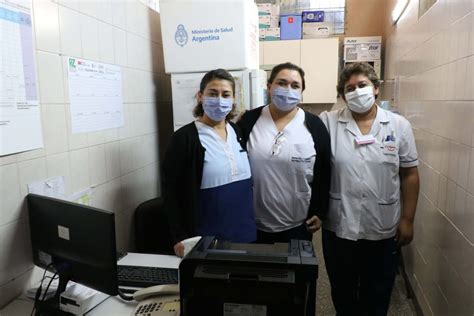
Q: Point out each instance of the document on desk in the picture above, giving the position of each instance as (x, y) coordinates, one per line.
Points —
(20, 118)
(95, 94)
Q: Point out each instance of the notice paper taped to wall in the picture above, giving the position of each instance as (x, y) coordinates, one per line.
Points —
(52, 187)
(95, 93)
(20, 118)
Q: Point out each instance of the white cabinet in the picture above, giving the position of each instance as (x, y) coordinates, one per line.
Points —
(277, 52)
(319, 58)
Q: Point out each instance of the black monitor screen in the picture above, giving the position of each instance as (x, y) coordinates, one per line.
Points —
(78, 240)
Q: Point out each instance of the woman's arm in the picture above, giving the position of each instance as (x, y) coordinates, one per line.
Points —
(410, 185)
(173, 166)
(322, 176)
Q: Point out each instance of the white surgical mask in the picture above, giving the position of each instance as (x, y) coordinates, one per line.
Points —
(361, 99)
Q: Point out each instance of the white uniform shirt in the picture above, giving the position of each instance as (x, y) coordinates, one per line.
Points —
(365, 182)
(282, 181)
(224, 161)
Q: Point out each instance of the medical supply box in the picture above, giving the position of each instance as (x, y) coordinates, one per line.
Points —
(268, 9)
(268, 21)
(290, 27)
(272, 34)
(317, 30)
(199, 35)
(313, 16)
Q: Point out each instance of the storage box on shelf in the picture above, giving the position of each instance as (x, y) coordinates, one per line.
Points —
(207, 30)
(290, 27)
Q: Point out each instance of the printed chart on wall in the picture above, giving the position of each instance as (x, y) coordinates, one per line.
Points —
(20, 117)
(95, 93)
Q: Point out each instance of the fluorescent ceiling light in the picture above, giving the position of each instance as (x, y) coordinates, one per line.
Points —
(397, 12)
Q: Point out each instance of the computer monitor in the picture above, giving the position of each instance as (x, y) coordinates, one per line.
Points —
(77, 240)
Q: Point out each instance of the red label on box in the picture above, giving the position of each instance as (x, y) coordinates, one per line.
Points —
(290, 19)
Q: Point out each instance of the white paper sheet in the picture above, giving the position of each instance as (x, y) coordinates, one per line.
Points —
(20, 119)
(95, 93)
(184, 90)
(149, 260)
(52, 187)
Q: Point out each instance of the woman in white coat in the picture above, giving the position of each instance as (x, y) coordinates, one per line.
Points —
(373, 196)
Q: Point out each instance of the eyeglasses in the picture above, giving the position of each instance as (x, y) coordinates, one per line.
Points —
(279, 140)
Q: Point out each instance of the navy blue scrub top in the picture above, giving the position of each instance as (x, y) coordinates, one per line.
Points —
(226, 198)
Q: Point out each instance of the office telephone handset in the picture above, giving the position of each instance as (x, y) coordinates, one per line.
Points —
(159, 300)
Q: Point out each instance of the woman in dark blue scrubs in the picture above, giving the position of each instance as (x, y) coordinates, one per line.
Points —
(206, 174)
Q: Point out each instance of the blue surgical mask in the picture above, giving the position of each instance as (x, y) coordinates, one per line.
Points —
(217, 108)
(285, 99)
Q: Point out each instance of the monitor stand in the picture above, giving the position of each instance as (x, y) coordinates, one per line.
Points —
(51, 307)
(64, 279)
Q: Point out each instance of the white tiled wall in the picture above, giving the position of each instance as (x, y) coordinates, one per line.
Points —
(121, 164)
(434, 56)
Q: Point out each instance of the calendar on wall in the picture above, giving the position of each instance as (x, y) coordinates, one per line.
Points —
(20, 119)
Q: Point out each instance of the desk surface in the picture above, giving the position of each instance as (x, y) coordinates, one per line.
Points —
(111, 306)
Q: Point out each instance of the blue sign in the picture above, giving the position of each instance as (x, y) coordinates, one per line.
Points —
(181, 36)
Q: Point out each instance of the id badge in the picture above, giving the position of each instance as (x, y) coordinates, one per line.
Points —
(390, 148)
(365, 140)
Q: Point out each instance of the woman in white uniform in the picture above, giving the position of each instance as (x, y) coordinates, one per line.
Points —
(290, 161)
(373, 196)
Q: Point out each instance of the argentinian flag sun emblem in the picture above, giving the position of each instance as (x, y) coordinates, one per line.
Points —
(181, 36)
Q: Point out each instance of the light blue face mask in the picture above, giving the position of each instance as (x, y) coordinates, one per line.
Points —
(217, 108)
(285, 99)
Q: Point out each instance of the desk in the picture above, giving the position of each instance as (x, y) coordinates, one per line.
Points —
(112, 305)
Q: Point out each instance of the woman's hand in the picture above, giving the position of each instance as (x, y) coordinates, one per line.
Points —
(179, 249)
(313, 224)
(404, 232)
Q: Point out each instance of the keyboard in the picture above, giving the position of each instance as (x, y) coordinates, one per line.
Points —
(135, 276)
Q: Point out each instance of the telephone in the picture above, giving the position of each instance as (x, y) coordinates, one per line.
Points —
(159, 300)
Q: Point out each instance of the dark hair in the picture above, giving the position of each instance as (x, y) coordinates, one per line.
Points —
(217, 74)
(356, 69)
(276, 70)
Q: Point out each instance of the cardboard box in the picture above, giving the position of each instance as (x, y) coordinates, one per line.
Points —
(290, 27)
(272, 34)
(362, 48)
(317, 30)
(264, 21)
(313, 16)
(267, 21)
(197, 33)
(275, 22)
(268, 9)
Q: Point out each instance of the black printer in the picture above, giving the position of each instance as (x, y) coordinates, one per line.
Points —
(230, 279)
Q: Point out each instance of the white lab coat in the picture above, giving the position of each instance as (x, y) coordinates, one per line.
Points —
(365, 182)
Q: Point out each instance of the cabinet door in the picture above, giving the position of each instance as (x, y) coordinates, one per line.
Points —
(260, 55)
(319, 60)
(277, 52)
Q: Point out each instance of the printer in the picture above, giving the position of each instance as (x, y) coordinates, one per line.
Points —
(231, 279)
